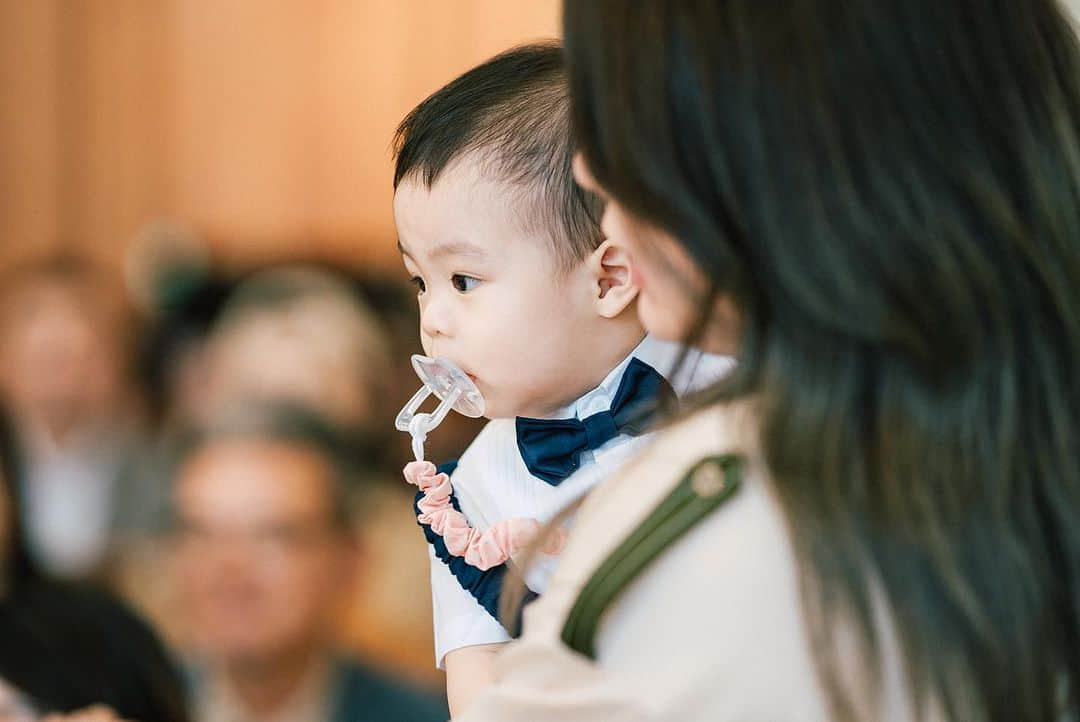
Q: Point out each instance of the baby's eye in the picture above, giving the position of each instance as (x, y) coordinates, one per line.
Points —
(419, 283)
(463, 283)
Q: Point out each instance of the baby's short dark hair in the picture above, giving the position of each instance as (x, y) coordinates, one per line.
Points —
(514, 112)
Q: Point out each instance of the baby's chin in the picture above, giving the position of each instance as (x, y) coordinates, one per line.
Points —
(493, 412)
(496, 410)
(501, 407)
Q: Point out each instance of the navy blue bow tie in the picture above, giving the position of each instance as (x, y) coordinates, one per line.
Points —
(552, 448)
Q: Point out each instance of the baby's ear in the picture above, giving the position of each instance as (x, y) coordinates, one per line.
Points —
(615, 289)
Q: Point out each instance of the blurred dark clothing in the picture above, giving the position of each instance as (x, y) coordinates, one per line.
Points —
(349, 692)
(66, 647)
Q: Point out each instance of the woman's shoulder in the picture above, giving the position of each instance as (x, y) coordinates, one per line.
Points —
(719, 428)
(615, 509)
(712, 431)
(722, 599)
(721, 602)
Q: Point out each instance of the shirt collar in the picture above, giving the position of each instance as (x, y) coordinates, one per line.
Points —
(661, 355)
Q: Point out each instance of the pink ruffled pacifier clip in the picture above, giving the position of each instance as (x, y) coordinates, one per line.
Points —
(500, 542)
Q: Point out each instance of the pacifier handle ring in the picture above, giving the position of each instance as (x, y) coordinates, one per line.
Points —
(450, 385)
(441, 375)
(418, 425)
(444, 407)
(405, 417)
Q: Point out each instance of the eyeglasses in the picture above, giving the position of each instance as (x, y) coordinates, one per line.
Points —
(276, 540)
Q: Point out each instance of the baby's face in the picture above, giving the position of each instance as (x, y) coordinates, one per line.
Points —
(492, 298)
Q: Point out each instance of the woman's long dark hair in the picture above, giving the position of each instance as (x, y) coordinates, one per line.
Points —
(889, 193)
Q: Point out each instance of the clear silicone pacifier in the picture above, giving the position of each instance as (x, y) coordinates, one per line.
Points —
(451, 386)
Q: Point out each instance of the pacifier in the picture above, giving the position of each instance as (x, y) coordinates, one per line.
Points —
(451, 386)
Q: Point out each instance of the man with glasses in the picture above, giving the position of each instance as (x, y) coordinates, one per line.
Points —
(264, 553)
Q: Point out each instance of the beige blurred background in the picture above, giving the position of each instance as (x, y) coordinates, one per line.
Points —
(263, 124)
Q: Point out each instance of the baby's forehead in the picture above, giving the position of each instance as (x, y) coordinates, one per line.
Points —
(472, 198)
(477, 174)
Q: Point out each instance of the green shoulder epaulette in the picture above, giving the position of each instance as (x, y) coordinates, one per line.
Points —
(707, 485)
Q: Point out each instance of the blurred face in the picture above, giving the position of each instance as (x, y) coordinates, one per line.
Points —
(298, 357)
(260, 563)
(671, 286)
(492, 298)
(59, 365)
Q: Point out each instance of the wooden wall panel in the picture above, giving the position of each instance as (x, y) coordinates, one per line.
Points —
(265, 124)
(110, 101)
(29, 180)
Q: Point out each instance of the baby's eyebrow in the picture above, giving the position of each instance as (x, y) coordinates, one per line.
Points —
(458, 248)
(450, 248)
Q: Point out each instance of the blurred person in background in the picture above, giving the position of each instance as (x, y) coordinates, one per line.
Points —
(63, 372)
(307, 335)
(299, 335)
(318, 337)
(265, 557)
(171, 280)
(173, 358)
(178, 308)
(303, 335)
(65, 649)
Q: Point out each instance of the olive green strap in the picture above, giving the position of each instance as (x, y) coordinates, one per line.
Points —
(707, 485)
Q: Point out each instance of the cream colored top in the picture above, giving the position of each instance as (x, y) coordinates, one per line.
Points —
(712, 630)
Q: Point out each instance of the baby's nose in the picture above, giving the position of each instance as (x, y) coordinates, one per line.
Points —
(436, 319)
